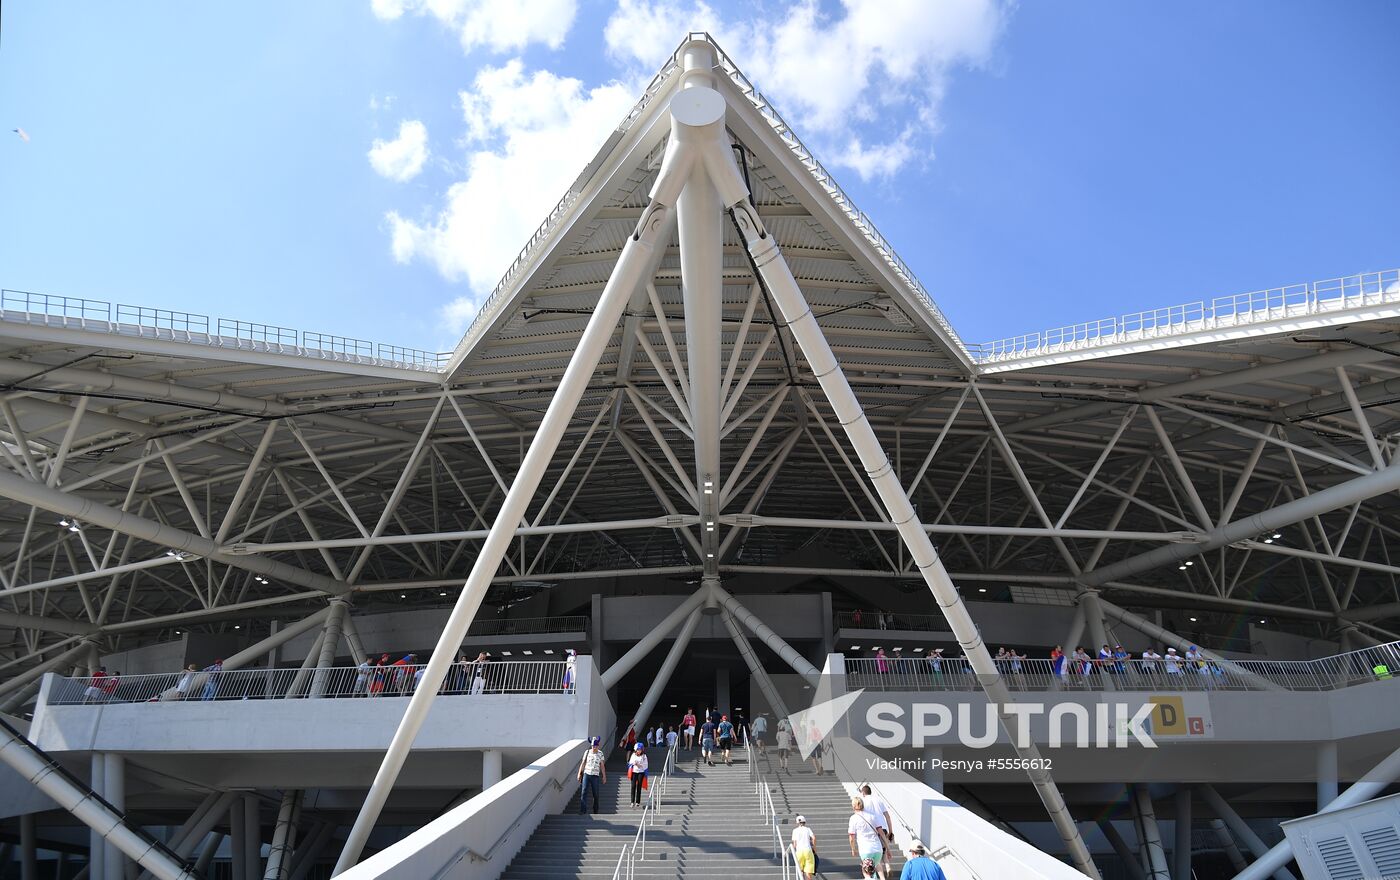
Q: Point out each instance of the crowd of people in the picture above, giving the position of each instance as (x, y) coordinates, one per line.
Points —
(1068, 668)
(379, 676)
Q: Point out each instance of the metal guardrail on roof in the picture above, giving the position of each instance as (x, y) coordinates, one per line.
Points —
(492, 304)
(76, 313)
(1223, 312)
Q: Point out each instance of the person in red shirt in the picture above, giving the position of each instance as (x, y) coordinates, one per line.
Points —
(688, 728)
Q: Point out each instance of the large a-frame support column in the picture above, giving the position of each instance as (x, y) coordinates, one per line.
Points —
(774, 273)
(691, 111)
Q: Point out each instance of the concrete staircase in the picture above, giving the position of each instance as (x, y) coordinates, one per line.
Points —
(709, 827)
(824, 803)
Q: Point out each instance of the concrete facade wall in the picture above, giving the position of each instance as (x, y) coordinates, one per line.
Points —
(478, 839)
(459, 721)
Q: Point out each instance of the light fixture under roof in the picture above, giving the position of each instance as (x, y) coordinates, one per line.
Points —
(528, 653)
(918, 650)
(1193, 620)
(855, 647)
(981, 589)
(549, 650)
(1190, 562)
(1276, 535)
(505, 653)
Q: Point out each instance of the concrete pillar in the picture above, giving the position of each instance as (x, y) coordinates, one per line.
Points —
(1181, 853)
(828, 626)
(1327, 774)
(97, 846)
(114, 790)
(237, 850)
(490, 768)
(28, 848)
(252, 838)
(722, 689)
(933, 771)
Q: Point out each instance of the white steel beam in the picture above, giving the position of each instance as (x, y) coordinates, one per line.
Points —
(774, 273)
(601, 325)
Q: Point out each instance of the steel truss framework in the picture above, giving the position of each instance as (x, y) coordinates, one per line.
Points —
(162, 487)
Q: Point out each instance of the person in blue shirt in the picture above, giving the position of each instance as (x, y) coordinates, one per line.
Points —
(726, 737)
(1120, 660)
(920, 866)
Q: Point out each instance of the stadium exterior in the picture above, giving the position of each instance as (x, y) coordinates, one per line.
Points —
(707, 433)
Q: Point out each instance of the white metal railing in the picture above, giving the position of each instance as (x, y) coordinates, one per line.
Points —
(766, 808)
(69, 312)
(636, 849)
(1293, 301)
(1381, 662)
(504, 677)
(790, 869)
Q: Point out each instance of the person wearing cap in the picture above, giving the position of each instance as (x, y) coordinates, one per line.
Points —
(804, 849)
(1172, 662)
(637, 772)
(1120, 660)
(592, 773)
(921, 865)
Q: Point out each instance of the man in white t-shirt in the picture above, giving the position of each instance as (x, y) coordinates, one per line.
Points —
(804, 847)
(876, 804)
(865, 830)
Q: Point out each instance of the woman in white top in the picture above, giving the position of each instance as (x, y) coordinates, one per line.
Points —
(866, 840)
(637, 772)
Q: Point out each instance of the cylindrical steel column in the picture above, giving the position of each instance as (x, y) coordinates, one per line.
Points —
(1259, 870)
(97, 841)
(1125, 852)
(659, 633)
(635, 257)
(1181, 853)
(326, 659)
(756, 670)
(765, 633)
(668, 669)
(773, 271)
(114, 790)
(1151, 836)
(1227, 843)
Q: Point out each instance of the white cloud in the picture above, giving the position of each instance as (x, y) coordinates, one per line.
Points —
(846, 80)
(840, 79)
(880, 160)
(497, 24)
(402, 158)
(529, 135)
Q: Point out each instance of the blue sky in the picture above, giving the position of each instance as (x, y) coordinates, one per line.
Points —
(1036, 164)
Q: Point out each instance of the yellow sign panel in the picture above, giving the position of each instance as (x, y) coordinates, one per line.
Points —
(1169, 717)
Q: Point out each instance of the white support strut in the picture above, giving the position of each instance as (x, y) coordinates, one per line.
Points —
(792, 305)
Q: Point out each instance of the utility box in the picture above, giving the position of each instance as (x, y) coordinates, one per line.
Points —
(1357, 843)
